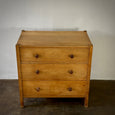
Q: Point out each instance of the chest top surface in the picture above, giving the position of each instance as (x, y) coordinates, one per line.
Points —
(54, 39)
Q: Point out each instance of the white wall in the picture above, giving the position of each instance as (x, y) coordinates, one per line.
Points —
(95, 16)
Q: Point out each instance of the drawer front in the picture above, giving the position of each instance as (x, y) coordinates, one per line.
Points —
(54, 88)
(54, 55)
(54, 71)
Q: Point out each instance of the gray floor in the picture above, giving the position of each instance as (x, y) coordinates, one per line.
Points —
(101, 101)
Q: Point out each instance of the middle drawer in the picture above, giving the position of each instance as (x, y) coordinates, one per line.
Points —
(54, 71)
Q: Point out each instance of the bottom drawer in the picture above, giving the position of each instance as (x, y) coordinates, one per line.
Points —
(55, 88)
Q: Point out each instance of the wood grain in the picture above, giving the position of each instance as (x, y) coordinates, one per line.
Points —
(54, 64)
(54, 38)
(88, 77)
(54, 55)
(54, 71)
(19, 76)
(54, 88)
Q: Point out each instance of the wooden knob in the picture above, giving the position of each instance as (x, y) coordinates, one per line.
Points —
(71, 56)
(36, 55)
(37, 71)
(37, 89)
(70, 71)
(69, 88)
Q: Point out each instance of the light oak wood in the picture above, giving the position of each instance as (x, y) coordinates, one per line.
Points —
(54, 64)
(54, 71)
(54, 55)
(89, 71)
(54, 39)
(19, 76)
(54, 88)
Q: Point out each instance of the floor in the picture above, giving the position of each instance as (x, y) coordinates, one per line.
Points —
(101, 101)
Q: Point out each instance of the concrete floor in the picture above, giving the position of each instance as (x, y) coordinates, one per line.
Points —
(101, 101)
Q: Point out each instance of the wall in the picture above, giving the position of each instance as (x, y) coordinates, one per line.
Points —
(95, 16)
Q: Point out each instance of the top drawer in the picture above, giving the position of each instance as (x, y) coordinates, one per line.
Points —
(54, 55)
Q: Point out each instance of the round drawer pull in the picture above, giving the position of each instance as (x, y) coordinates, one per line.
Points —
(37, 89)
(37, 71)
(69, 88)
(37, 56)
(71, 56)
(70, 71)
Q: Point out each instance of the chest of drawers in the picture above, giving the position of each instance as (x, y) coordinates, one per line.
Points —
(54, 64)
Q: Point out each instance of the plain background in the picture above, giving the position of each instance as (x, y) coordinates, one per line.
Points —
(95, 16)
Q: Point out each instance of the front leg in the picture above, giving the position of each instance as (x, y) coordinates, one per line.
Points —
(86, 101)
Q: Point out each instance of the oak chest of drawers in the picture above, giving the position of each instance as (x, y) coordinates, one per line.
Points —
(54, 64)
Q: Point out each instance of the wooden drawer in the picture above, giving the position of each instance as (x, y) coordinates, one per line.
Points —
(54, 71)
(54, 55)
(54, 88)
